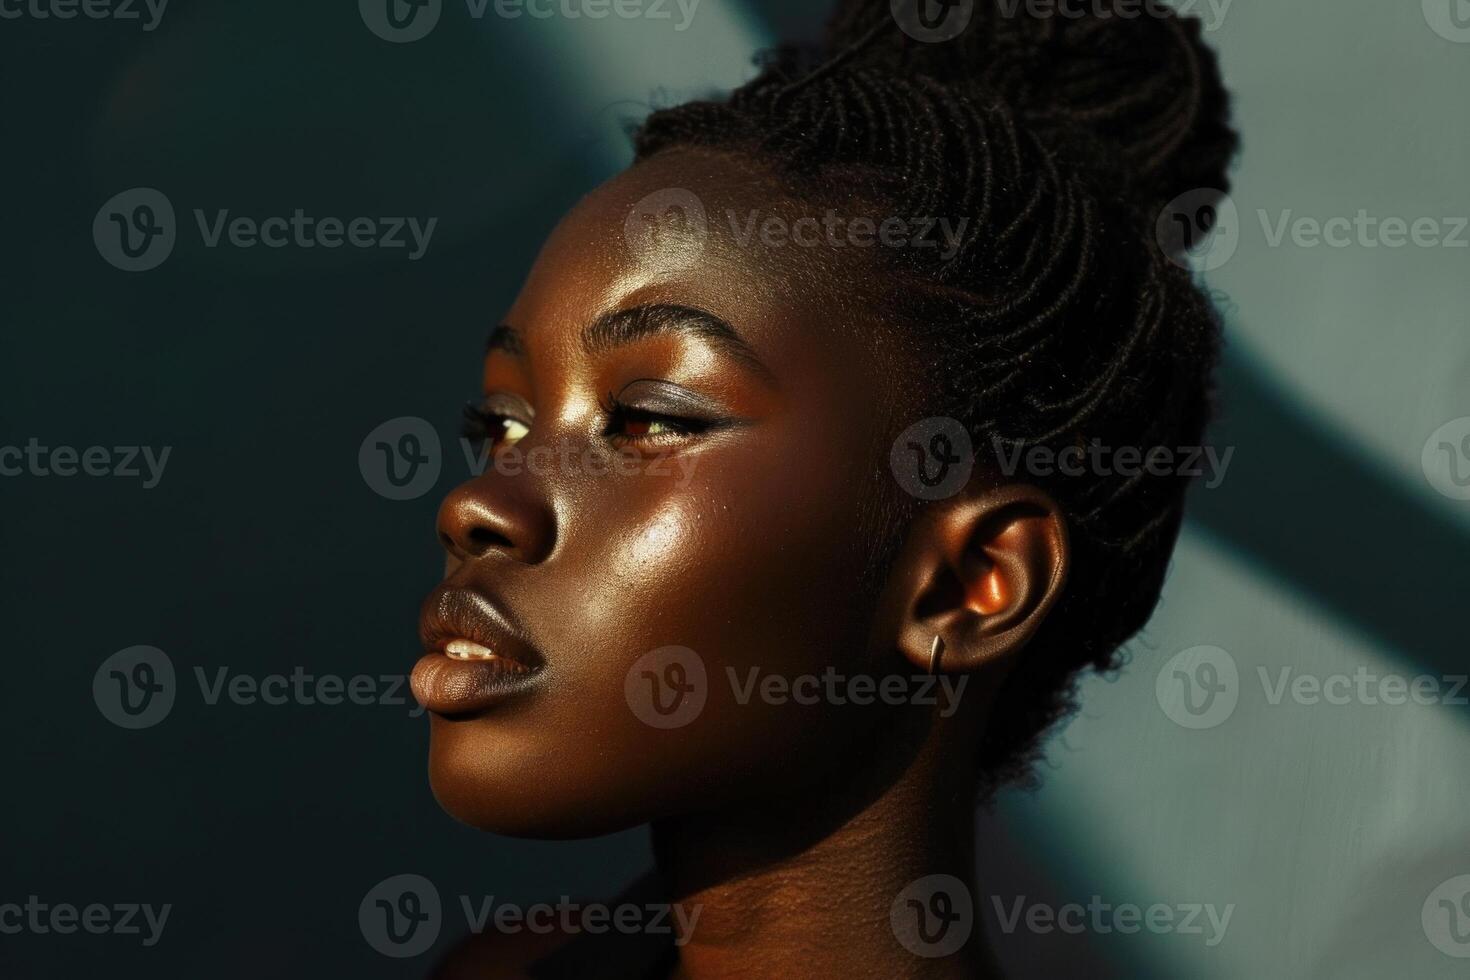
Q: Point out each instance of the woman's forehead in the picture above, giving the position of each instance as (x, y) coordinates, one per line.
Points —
(682, 228)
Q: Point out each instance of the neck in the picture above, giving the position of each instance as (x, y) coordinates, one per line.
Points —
(807, 887)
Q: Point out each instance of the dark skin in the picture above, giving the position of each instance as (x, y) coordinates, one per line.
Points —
(791, 827)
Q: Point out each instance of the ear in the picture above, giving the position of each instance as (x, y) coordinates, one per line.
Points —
(980, 573)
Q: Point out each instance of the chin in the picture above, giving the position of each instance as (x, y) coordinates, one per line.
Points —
(527, 794)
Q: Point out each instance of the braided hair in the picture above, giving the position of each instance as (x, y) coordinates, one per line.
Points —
(1057, 320)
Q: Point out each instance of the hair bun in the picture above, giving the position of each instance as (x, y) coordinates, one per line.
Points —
(1135, 95)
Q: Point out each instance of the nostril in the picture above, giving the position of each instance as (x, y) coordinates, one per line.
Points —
(474, 542)
(482, 539)
(486, 517)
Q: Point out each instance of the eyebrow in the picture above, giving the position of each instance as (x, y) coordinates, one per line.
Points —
(622, 327)
(626, 326)
(506, 338)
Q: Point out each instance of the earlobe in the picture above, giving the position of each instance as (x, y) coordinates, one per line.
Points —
(979, 575)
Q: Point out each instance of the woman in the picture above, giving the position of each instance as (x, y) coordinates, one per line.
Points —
(765, 557)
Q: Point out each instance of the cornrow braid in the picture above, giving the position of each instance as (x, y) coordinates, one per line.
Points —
(1056, 320)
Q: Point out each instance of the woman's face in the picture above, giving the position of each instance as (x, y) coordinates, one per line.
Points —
(692, 433)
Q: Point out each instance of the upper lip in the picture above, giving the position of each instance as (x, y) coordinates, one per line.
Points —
(457, 613)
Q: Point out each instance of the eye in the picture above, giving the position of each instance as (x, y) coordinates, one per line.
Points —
(512, 430)
(631, 423)
(626, 424)
(638, 424)
(492, 421)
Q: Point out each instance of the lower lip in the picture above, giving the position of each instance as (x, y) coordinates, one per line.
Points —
(448, 686)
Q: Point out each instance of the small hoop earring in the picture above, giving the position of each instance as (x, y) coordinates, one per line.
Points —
(934, 653)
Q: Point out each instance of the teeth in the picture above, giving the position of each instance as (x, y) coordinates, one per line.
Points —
(467, 650)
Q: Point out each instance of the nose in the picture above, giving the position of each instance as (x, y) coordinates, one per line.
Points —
(496, 514)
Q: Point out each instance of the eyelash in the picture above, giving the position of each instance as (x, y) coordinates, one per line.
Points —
(617, 411)
(480, 423)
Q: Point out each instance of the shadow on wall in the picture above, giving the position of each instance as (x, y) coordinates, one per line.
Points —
(1308, 509)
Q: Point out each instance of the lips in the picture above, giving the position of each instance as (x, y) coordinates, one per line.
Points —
(475, 657)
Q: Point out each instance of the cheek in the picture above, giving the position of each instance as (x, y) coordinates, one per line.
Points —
(748, 565)
(751, 563)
